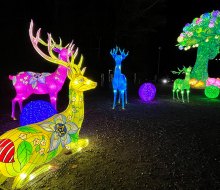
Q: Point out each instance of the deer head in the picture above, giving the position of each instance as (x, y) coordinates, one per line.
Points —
(118, 57)
(66, 58)
(75, 74)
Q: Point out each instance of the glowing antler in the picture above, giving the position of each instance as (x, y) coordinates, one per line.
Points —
(50, 44)
(123, 54)
(179, 71)
(114, 52)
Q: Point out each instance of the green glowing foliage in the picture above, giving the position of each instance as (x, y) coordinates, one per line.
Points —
(212, 91)
(203, 33)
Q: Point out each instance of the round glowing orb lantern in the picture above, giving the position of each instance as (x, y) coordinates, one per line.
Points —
(36, 111)
(147, 92)
(212, 91)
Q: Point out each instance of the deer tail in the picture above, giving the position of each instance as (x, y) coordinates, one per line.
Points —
(10, 77)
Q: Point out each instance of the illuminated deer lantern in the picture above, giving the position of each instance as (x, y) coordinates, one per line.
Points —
(182, 84)
(25, 150)
(27, 83)
(119, 81)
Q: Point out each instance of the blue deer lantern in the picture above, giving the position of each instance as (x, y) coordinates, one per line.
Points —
(119, 81)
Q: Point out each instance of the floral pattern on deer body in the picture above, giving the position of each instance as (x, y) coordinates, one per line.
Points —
(61, 130)
(37, 77)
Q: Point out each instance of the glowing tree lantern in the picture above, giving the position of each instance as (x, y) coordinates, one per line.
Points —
(212, 91)
(27, 83)
(182, 85)
(204, 34)
(36, 111)
(119, 81)
(147, 92)
(25, 150)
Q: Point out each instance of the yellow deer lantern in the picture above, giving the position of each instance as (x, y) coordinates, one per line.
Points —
(25, 150)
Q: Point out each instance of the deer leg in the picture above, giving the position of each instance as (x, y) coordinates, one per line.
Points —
(13, 108)
(115, 95)
(188, 95)
(24, 177)
(2, 179)
(53, 100)
(126, 97)
(39, 171)
(173, 94)
(20, 105)
(182, 94)
(75, 147)
(119, 99)
(123, 99)
(177, 94)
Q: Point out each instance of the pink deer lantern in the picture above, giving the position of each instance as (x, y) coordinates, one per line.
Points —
(27, 83)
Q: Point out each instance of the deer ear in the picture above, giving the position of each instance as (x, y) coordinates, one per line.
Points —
(83, 70)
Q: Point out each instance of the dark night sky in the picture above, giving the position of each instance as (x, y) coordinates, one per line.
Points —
(140, 26)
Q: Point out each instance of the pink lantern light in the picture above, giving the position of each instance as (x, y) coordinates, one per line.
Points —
(28, 82)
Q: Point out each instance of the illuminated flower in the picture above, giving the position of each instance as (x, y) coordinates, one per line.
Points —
(23, 136)
(37, 77)
(69, 117)
(199, 20)
(43, 142)
(36, 141)
(73, 99)
(41, 151)
(61, 131)
(75, 109)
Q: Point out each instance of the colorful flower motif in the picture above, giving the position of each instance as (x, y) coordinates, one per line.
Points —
(23, 136)
(36, 141)
(70, 117)
(41, 151)
(75, 109)
(61, 131)
(43, 142)
(73, 99)
(37, 77)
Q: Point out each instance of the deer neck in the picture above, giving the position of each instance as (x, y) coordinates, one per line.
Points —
(117, 70)
(187, 77)
(61, 73)
(75, 109)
